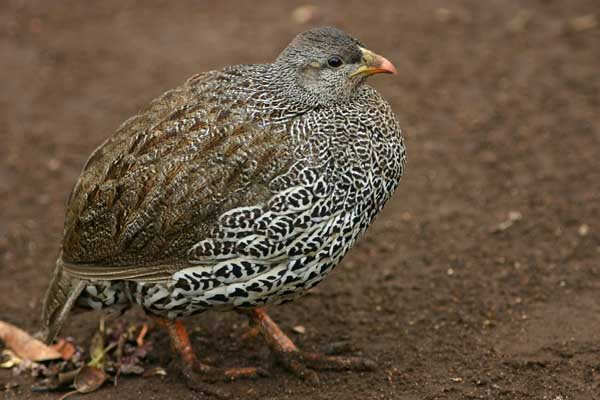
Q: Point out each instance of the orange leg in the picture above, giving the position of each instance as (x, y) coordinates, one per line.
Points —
(250, 333)
(298, 361)
(180, 341)
(195, 371)
(274, 336)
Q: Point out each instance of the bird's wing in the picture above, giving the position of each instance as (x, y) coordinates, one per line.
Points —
(160, 183)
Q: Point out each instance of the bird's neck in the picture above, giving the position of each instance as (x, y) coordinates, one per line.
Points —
(286, 80)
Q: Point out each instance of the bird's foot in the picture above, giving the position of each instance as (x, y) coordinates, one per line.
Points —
(213, 374)
(195, 381)
(196, 373)
(199, 377)
(302, 363)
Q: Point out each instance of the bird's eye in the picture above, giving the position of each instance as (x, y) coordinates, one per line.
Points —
(335, 62)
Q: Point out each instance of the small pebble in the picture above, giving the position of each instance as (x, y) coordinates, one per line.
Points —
(515, 216)
(583, 23)
(443, 14)
(299, 329)
(304, 14)
(519, 22)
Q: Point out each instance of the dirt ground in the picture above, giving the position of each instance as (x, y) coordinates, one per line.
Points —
(479, 280)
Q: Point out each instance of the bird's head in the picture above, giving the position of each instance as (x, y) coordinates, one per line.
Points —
(325, 65)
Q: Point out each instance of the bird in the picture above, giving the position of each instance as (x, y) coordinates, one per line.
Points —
(242, 188)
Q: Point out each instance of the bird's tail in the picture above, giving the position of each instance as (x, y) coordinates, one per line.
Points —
(60, 298)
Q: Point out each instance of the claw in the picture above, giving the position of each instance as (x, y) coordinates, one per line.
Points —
(298, 362)
(294, 362)
(338, 363)
(195, 372)
(232, 374)
(340, 347)
(194, 382)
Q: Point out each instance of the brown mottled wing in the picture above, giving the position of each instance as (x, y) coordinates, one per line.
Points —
(158, 185)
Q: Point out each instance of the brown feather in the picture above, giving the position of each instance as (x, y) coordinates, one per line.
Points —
(158, 185)
(60, 298)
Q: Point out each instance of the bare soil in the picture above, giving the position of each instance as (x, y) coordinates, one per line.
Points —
(479, 280)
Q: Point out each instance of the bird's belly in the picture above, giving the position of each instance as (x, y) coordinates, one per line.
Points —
(284, 282)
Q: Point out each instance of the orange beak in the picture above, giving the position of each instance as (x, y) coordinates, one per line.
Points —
(374, 64)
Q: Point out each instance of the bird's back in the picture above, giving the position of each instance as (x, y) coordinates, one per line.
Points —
(157, 186)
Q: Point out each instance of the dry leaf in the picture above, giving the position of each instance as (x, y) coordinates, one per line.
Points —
(66, 349)
(55, 382)
(24, 345)
(113, 351)
(89, 379)
(9, 359)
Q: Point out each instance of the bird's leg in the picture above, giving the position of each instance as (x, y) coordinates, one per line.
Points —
(251, 333)
(297, 361)
(195, 371)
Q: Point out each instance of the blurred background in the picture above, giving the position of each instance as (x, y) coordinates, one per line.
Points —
(479, 280)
